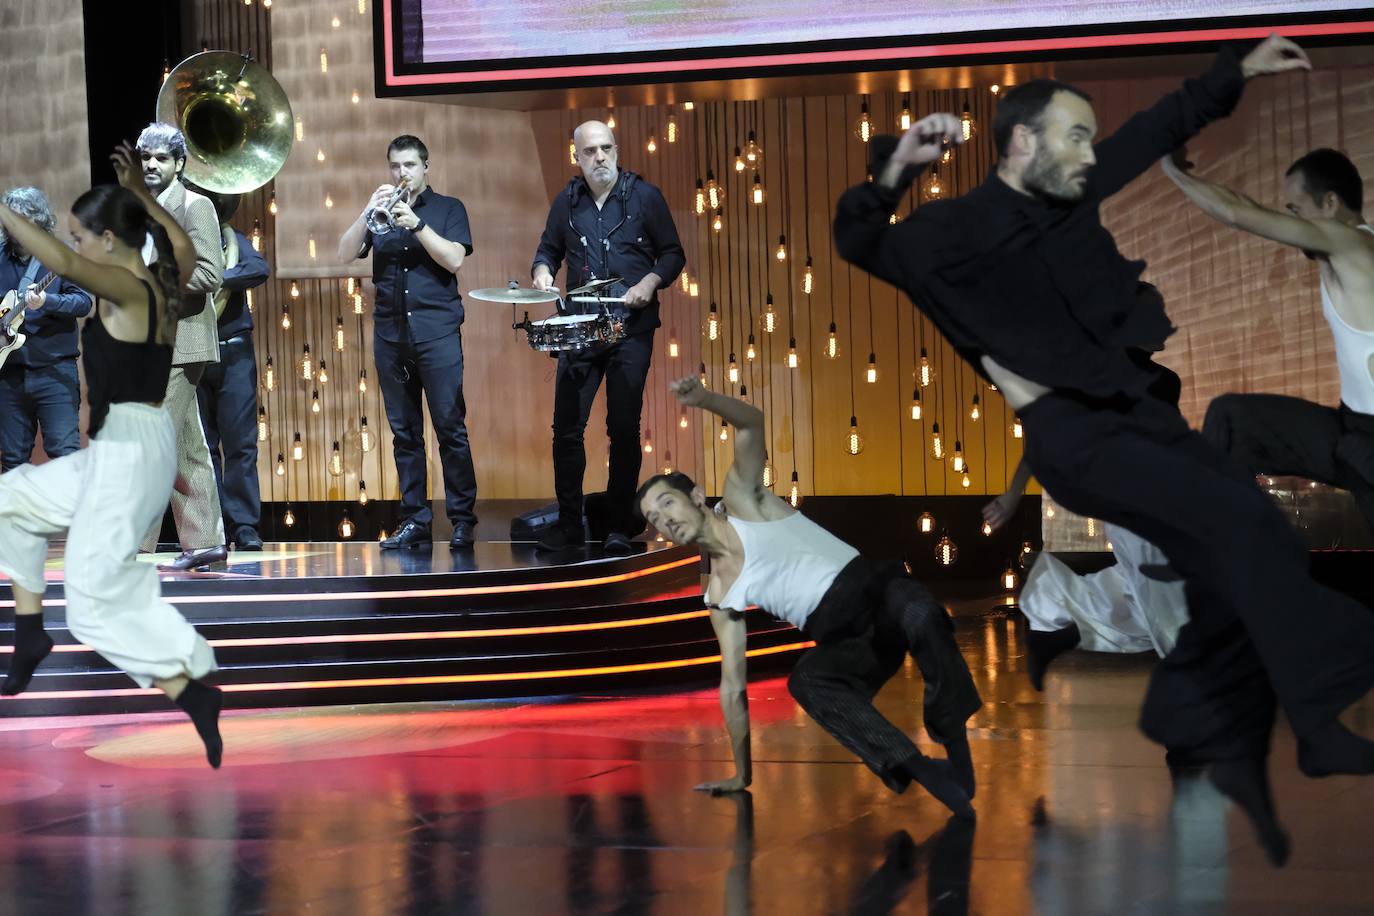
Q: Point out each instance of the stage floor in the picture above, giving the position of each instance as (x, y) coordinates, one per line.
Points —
(586, 807)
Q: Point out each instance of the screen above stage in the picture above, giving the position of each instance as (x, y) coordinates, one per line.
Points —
(473, 45)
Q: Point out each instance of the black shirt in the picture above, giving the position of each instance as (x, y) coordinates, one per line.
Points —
(415, 295)
(1040, 287)
(249, 273)
(50, 331)
(119, 372)
(629, 236)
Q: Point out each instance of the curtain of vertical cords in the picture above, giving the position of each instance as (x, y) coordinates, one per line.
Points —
(766, 339)
(791, 310)
(704, 433)
(849, 290)
(747, 275)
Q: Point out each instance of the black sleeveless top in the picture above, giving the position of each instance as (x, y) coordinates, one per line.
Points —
(118, 372)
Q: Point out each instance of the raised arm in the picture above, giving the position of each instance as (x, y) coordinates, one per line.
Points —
(108, 282)
(998, 512)
(1241, 212)
(1176, 118)
(130, 176)
(744, 481)
(734, 700)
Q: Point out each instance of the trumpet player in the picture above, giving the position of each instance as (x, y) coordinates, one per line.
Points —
(418, 239)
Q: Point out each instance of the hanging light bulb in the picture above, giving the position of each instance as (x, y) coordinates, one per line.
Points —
(289, 519)
(768, 474)
(356, 97)
(362, 382)
(692, 290)
(966, 124)
(1017, 430)
(1092, 528)
(945, 551)
(739, 160)
(853, 441)
(717, 223)
(339, 334)
(1049, 510)
(724, 432)
(781, 253)
(925, 523)
(684, 280)
(285, 317)
(974, 412)
(272, 196)
(323, 375)
(257, 235)
(362, 492)
(651, 146)
(668, 462)
(832, 343)
(753, 153)
(280, 469)
(757, 195)
(904, 122)
(682, 421)
(924, 373)
(937, 443)
(712, 323)
(166, 69)
(733, 372)
(648, 442)
(610, 120)
(966, 481)
(701, 375)
(916, 403)
(315, 401)
(572, 153)
(791, 352)
(751, 353)
(957, 460)
(672, 348)
(324, 61)
(319, 154)
(248, 300)
(948, 155)
(365, 438)
(769, 321)
(871, 376)
(987, 529)
(699, 199)
(932, 185)
(715, 194)
(269, 376)
(808, 277)
(670, 130)
(864, 128)
(306, 365)
(1009, 579)
(262, 424)
(1027, 548)
(358, 302)
(297, 447)
(794, 492)
(335, 461)
(295, 290)
(346, 527)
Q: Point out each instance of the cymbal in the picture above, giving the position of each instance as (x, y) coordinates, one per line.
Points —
(513, 296)
(594, 286)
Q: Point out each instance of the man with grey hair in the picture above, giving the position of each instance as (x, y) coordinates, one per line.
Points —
(39, 385)
(199, 523)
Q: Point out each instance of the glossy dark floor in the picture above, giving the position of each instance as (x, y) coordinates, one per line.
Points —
(586, 807)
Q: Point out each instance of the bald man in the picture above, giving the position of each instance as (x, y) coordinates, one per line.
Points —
(607, 223)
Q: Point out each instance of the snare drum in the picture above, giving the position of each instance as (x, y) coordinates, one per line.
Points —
(574, 332)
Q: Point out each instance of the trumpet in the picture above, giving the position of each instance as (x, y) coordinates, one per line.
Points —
(379, 219)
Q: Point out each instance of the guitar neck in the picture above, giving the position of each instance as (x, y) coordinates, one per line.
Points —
(17, 311)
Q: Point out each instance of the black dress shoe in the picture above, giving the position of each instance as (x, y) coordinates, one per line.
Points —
(409, 535)
(463, 538)
(196, 559)
(617, 545)
(560, 537)
(247, 538)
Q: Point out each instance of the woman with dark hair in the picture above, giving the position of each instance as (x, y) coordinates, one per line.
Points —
(104, 497)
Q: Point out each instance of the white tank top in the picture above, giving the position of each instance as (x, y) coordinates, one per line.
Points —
(1353, 349)
(788, 566)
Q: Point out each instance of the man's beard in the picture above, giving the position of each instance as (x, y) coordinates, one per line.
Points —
(1045, 178)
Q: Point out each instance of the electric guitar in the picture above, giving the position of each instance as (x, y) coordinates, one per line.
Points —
(12, 318)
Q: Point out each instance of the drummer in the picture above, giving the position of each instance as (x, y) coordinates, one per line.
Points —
(608, 223)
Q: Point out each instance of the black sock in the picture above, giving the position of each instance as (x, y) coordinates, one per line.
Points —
(203, 703)
(1042, 648)
(1334, 749)
(1246, 782)
(31, 645)
(961, 759)
(937, 777)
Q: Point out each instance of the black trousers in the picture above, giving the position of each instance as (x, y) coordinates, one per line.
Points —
(228, 398)
(409, 371)
(625, 367)
(1273, 434)
(1260, 630)
(46, 398)
(867, 622)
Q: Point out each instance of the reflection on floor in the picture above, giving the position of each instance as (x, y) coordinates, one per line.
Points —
(586, 807)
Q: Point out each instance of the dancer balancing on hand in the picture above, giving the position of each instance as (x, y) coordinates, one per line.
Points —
(104, 497)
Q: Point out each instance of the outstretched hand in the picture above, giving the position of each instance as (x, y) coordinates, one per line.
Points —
(1275, 54)
(1000, 511)
(128, 171)
(689, 391)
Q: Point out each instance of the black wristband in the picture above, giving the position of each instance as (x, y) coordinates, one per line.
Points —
(418, 226)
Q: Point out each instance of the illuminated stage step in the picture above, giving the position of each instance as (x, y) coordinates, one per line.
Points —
(325, 624)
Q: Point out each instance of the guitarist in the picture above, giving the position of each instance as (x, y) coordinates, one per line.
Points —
(39, 386)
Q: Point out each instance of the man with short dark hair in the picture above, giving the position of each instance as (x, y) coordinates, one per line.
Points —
(864, 616)
(1323, 195)
(196, 511)
(417, 338)
(607, 223)
(1026, 283)
(40, 388)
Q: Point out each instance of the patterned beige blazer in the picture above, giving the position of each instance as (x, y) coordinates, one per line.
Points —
(198, 334)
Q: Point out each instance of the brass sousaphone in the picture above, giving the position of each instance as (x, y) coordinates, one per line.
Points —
(236, 119)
